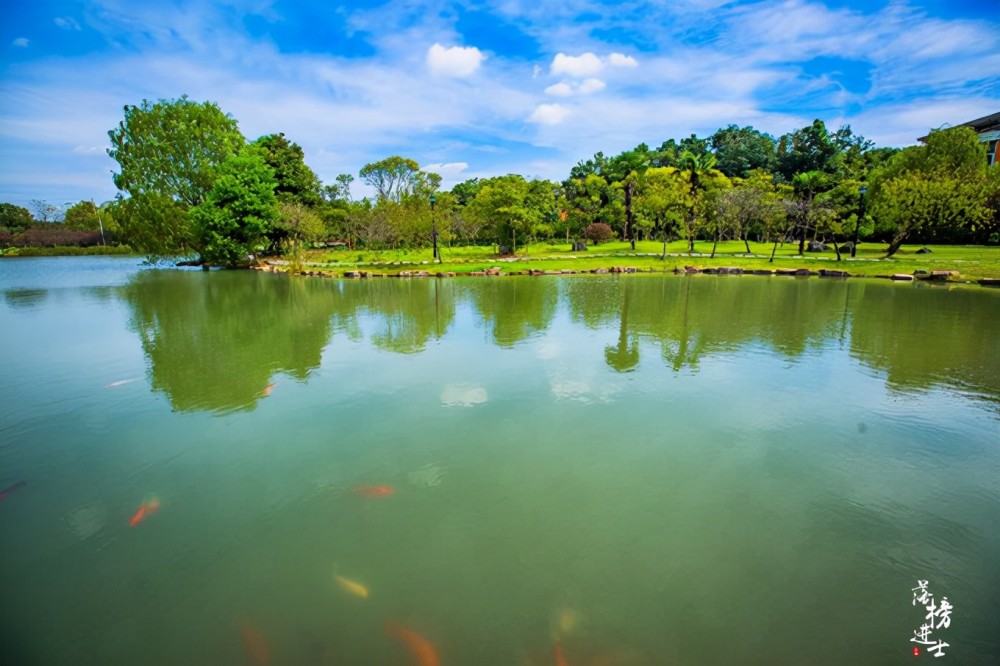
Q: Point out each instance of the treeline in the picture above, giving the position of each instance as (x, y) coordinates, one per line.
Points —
(191, 183)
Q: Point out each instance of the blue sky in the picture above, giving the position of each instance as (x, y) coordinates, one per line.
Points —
(474, 89)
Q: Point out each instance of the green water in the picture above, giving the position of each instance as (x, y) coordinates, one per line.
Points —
(633, 470)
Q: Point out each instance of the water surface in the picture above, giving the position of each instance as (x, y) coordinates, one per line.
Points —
(631, 470)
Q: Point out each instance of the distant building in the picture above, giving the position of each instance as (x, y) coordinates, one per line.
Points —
(988, 129)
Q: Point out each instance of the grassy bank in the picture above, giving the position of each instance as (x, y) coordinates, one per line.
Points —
(971, 262)
(66, 251)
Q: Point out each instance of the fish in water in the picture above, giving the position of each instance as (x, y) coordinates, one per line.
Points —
(373, 491)
(255, 646)
(351, 586)
(267, 390)
(557, 655)
(422, 650)
(147, 508)
(120, 382)
(10, 489)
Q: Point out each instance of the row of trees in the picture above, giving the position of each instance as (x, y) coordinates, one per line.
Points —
(190, 182)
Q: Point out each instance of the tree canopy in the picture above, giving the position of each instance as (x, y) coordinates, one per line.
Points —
(169, 153)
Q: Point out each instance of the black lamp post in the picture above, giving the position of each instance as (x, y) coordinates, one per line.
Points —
(861, 213)
(434, 229)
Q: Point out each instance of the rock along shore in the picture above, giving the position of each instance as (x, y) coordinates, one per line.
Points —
(496, 271)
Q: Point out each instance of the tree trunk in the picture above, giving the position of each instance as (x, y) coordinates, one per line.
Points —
(773, 250)
(836, 247)
(714, 245)
(629, 217)
(746, 242)
(897, 242)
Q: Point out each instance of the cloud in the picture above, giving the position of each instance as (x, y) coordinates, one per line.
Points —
(622, 60)
(456, 61)
(21, 42)
(450, 168)
(67, 23)
(590, 86)
(580, 66)
(561, 89)
(89, 150)
(549, 114)
(564, 89)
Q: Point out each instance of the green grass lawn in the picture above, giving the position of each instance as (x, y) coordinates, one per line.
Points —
(972, 262)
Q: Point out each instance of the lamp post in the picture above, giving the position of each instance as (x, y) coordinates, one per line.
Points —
(434, 229)
(861, 213)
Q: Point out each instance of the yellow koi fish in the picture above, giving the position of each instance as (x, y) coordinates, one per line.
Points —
(351, 587)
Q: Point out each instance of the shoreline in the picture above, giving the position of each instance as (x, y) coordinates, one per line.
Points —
(934, 276)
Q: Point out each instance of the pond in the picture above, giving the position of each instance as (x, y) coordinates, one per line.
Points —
(243, 468)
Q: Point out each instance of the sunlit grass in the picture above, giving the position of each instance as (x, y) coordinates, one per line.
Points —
(972, 262)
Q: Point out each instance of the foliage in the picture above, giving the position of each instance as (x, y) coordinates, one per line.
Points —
(740, 150)
(298, 222)
(14, 219)
(597, 233)
(752, 205)
(240, 210)
(510, 205)
(296, 182)
(808, 149)
(392, 178)
(169, 153)
(69, 250)
(82, 215)
(940, 187)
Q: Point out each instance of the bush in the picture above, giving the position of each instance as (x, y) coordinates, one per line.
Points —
(598, 232)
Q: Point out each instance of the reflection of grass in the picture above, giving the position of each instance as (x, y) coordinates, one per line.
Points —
(972, 262)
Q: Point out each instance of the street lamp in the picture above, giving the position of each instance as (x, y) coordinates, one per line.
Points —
(434, 229)
(861, 213)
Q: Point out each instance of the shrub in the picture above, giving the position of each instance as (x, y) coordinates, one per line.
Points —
(597, 232)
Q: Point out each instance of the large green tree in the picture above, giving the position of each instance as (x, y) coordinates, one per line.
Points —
(740, 150)
(392, 178)
(939, 188)
(514, 207)
(82, 216)
(14, 219)
(239, 212)
(297, 183)
(169, 153)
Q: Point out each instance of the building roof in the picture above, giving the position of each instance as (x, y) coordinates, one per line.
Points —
(985, 124)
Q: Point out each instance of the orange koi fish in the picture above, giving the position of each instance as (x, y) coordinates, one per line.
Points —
(351, 587)
(373, 491)
(255, 646)
(10, 489)
(558, 656)
(147, 508)
(267, 390)
(422, 650)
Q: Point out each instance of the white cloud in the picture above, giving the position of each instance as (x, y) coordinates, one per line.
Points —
(622, 60)
(561, 89)
(89, 150)
(590, 86)
(449, 168)
(549, 114)
(67, 23)
(21, 42)
(457, 61)
(580, 66)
